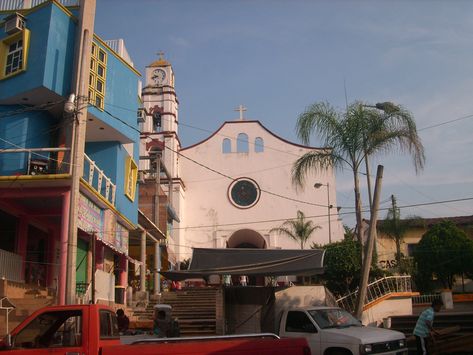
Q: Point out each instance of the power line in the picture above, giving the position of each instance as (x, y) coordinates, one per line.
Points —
(444, 123)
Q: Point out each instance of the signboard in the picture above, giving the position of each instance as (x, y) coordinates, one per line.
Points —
(90, 217)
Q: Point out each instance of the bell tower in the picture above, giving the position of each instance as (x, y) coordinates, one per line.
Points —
(161, 111)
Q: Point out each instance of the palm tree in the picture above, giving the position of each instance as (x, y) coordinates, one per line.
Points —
(351, 137)
(396, 228)
(297, 229)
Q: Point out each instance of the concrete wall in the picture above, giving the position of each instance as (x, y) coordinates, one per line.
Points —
(398, 306)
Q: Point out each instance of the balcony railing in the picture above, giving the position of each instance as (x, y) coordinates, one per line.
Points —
(36, 161)
(376, 290)
(12, 5)
(98, 180)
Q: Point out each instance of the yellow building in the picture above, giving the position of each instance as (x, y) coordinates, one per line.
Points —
(386, 246)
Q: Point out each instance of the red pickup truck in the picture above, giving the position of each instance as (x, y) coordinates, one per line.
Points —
(92, 330)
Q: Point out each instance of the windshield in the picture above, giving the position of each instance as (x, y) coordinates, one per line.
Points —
(333, 318)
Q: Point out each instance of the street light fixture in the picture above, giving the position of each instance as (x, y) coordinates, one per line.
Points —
(318, 185)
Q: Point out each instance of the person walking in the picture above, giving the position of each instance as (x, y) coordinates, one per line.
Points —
(424, 326)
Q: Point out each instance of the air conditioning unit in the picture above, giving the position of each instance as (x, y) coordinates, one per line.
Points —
(14, 23)
(38, 167)
(141, 115)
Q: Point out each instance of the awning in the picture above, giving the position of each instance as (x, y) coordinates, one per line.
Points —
(251, 262)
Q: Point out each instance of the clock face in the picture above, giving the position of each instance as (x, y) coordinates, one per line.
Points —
(159, 76)
(244, 193)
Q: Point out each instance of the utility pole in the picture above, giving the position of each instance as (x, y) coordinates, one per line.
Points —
(80, 81)
(369, 245)
(157, 247)
(93, 269)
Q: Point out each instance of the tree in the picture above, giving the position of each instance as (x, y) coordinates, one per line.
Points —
(342, 264)
(297, 229)
(396, 228)
(444, 252)
(351, 137)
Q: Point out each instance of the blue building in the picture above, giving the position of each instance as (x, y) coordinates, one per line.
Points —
(37, 67)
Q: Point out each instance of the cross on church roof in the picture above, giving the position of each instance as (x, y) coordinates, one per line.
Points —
(161, 55)
(241, 109)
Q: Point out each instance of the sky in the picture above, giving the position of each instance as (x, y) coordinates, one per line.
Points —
(278, 57)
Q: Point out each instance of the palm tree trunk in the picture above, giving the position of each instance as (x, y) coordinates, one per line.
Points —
(359, 223)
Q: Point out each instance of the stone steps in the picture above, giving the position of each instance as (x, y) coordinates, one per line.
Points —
(195, 310)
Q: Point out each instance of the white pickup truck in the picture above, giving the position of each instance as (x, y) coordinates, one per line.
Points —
(334, 331)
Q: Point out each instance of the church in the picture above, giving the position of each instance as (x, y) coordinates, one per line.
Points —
(231, 189)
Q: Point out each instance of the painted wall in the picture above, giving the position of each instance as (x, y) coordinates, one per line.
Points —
(27, 130)
(121, 99)
(206, 199)
(50, 56)
(111, 157)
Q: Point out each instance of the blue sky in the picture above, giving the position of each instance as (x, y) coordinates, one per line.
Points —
(278, 57)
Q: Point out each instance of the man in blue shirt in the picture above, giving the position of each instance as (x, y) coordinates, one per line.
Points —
(424, 326)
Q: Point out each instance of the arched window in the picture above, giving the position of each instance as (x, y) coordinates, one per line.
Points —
(242, 143)
(226, 146)
(259, 145)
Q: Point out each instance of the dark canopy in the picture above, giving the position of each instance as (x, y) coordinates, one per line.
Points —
(251, 262)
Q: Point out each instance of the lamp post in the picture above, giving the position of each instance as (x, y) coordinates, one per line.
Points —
(318, 185)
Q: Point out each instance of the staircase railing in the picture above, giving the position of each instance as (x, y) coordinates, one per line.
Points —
(376, 290)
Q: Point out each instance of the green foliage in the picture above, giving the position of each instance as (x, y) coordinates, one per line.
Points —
(297, 229)
(443, 252)
(342, 263)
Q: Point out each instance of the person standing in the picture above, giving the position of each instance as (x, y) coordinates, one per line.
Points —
(424, 326)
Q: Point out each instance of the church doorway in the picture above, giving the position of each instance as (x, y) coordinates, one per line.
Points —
(247, 239)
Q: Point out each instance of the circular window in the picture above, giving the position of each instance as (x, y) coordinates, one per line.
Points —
(244, 193)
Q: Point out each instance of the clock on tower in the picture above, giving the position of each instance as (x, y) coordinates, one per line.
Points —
(159, 76)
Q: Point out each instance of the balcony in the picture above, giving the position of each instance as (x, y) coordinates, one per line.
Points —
(35, 161)
(13, 5)
(98, 181)
(44, 162)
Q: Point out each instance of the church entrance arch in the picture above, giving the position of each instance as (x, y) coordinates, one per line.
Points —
(246, 238)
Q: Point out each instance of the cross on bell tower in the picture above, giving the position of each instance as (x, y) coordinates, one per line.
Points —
(241, 109)
(161, 55)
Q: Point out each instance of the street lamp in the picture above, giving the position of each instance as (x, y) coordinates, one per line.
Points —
(318, 185)
(388, 108)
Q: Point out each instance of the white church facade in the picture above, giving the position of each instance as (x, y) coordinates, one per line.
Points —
(232, 188)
